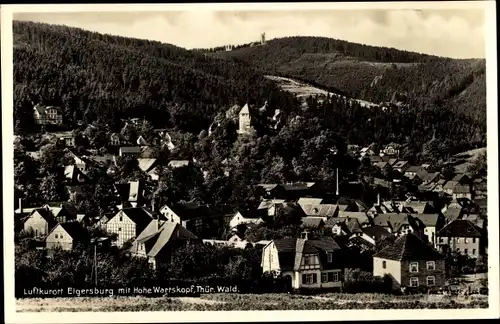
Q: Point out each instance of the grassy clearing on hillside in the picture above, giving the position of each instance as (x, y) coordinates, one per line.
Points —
(469, 157)
(227, 302)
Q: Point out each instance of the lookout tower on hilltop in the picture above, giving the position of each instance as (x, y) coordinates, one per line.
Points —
(262, 38)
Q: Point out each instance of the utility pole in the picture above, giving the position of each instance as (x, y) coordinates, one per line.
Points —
(337, 178)
(95, 263)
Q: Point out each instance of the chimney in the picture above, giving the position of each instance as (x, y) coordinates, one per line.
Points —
(20, 205)
(305, 235)
(337, 178)
(378, 199)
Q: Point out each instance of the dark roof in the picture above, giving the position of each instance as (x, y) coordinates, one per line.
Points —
(245, 213)
(452, 213)
(188, 211)
(409, 248)
(376, 232)
(140, 216)
(76, 231)
(314, 222)
(460, 228)
(413, 168)
(130, 149)
(461, 189)
(298, 186)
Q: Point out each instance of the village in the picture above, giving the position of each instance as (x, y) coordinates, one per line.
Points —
(407, 241)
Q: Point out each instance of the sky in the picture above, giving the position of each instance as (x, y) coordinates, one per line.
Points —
(456, 33)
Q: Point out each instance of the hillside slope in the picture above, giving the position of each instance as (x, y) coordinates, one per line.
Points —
(372, 73)
(95, 76)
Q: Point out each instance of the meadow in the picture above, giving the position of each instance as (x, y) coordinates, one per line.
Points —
(228, 302)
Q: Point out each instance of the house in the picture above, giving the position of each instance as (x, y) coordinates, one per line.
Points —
(374, 234)
(40, 221)
(129, 222)
(366, 151)
(141, 141)
(47, 115)
(198, 219)
(462, 179)
(165, 139)
(158, 240)
(268, 206)
(324, 211)
(439, 187)
(132, 193)
(116, 139)
(433, 223)
(66, 236)
(400, 224)
(410, 263)
(64, 212)
(174, 164)
(391, 149)
(363, 219)
(462, 191)
(245, 217)
(462, 236)
(401, 166)
(244, 120)
(80, 163)
(429, 177)
(415, 172)
(132, 151)
(382, 166)
(305, 263)
(74, 175)
(392, 161)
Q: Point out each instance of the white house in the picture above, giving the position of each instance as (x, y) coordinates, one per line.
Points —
(245, 217)
(304, 262)
(128, 223)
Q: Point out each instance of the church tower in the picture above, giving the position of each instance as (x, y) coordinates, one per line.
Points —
(244, 120)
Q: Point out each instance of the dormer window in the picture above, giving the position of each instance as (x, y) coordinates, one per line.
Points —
(330, 257)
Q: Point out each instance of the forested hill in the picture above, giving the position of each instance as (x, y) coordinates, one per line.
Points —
(371, 73)
(95, 76)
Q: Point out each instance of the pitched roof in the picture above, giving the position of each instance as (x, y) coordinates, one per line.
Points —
(429, 220)
(146, 164)
(309, 201)
(392, 161)
(249, 214)
(408, 248)
(450, 184)
(413, 168)
(76, 231)
(381, 165)
(360, 216)
(298, 186)
(321, 210)
(376, 232)
(166, 233)
(46, 214)
(452, 213)
(268, 203)
(267, 186)
(460, 228)
(314, 222)
(188, 211)
(461, 189)
(417, 207)
(459, 176)
(139, 215)
(400, 164)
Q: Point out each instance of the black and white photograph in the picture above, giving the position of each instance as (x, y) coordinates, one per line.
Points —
(205, 158)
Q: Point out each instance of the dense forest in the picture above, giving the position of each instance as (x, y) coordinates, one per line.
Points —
(93, 76)
(371, 73)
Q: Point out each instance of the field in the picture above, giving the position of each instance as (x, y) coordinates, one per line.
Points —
(468, 158)
(227, 302)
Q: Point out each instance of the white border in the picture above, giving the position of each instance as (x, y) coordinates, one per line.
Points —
(107, 317)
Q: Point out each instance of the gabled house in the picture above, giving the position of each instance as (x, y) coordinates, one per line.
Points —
(116, 139)
(382, 166)
(400, 224)
(245, 120)
(74, 175)
(305, 263)
(462, 191)
(68, 138)
(47, 115)
(198, 219)
(129, 222)
(268, 206)
(146, 165)
(40, 221)
(158, 240)
(462, 236)
(246, 217)
(462, 179)
(415, 173)
(410, 263)
(363, 219)
(374, 234)
(416, 207)
(66, 236)
(141, 141)
(309, 201)
(174, 164)
(293, 191)
(313, 224)
(271, 191)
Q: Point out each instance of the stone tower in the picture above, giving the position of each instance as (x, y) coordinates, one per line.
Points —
(244, 120)
(263, 38)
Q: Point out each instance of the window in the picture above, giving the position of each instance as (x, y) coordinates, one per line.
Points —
(324, 277)
(119, 229)
(57, 236)
(414, 267)
(465, 240)
(473, 240)
(466, 251)
(414, 282)
(309, 278)
(431, 265)
(307, 260)
(431, 281)
(441, 240)
(330, 257)
(384, 264)
(335, 276)
(121, 218)
(60, 236)
(473, 251)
